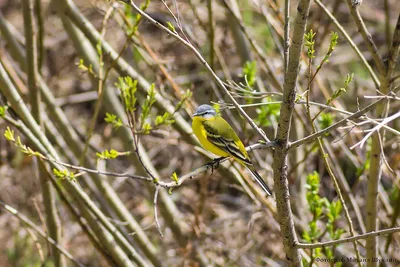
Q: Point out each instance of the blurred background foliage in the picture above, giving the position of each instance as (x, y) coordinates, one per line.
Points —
(209, 220)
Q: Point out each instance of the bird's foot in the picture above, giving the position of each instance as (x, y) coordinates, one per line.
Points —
(214, 164)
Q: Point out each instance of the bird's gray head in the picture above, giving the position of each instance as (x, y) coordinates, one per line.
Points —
(205, 111)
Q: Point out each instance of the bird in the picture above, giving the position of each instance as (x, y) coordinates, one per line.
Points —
(216, 135)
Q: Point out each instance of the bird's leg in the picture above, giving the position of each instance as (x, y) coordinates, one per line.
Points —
(217, 161)
(214, 164)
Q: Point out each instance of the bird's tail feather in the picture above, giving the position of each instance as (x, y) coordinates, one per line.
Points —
(259, 180)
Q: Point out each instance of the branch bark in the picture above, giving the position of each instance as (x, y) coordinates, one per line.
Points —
(279, 165)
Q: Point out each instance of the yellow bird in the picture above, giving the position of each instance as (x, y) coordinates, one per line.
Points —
(217, 136)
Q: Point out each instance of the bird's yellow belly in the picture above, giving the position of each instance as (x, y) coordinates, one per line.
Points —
(200, 132)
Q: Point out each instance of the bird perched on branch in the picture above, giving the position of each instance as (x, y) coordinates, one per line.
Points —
(217, 136)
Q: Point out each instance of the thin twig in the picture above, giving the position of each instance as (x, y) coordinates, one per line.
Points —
(325, 157)
(325, 107)
(393, 51)
(211, 31)
(348, 239)
(131, 176)
(155, 211)
(286, 40)
(100, 89)
(386, 7)
(376, 128)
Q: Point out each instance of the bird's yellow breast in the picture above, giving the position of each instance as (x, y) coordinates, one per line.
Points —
(200, 132)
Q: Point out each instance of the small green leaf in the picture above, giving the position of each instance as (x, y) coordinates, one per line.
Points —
(267, 112)
(146, 128)
(298, 98)
(306, 237)
(148, 104)
(128, 88)
(338, 92)
(3, 110)
(159, 120)
(64, 174)
(89, 69)
(99, 48)
(187, 95)
(338, 233)
(326, 120)
(81, 65)
(114, 120)
(166, 119)
(332, 45)
(175, 177)
(108, 154)
(249, 72)
(171, 26)
(9, 134)
(217, 107)
(309, 43)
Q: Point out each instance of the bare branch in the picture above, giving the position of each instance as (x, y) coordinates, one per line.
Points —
(155, 211)
(349, 239)
(376, 128)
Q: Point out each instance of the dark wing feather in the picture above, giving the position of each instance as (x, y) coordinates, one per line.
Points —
(221, 134)
(225, 143)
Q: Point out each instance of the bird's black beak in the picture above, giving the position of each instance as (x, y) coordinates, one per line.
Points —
(194, 115)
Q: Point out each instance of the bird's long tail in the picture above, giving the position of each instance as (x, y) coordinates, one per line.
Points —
(259, 180)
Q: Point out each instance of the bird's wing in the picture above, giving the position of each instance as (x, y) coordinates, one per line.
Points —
(221, 134)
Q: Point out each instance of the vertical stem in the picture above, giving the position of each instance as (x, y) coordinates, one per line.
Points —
(31, 57)
(372, 193)
(40, 34)
(375, 170)
(387, 22)
(211, 32)
(280, 167)
(286, 36)
(100, 90)
(52, 219)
